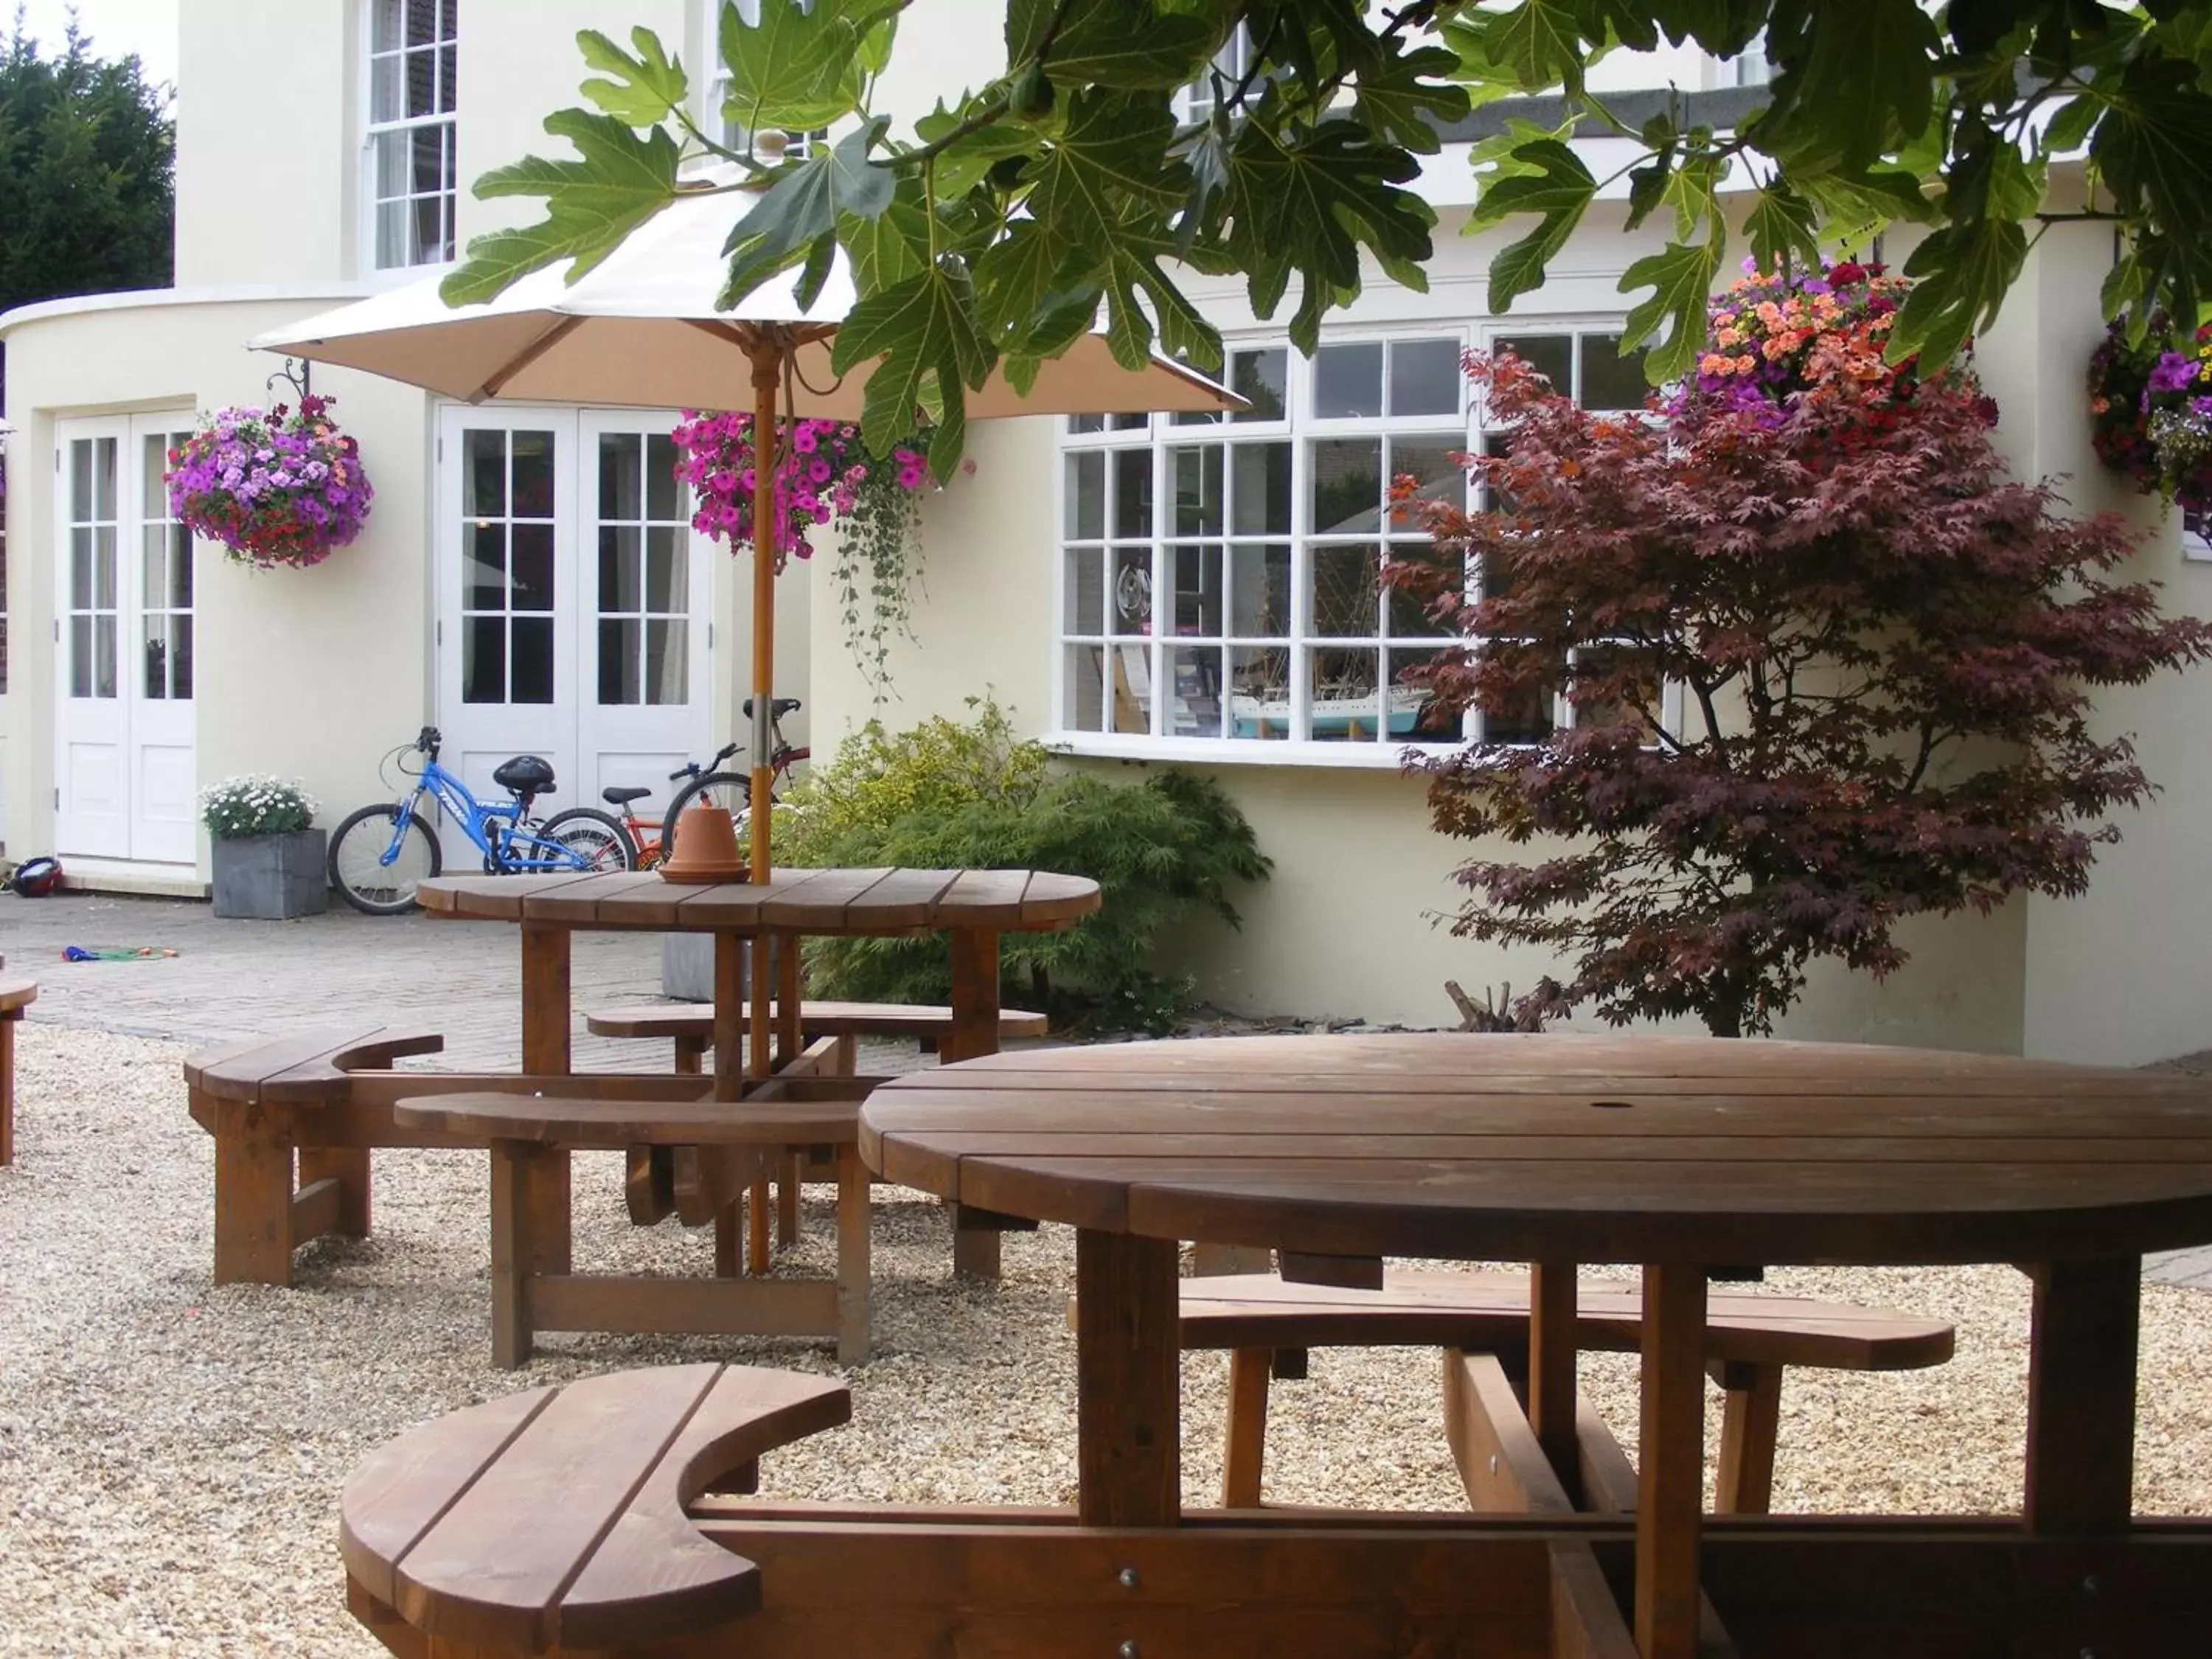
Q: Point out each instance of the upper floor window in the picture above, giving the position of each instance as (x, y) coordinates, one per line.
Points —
(718, 120)
(412, 163)
(1230, 65)
(1221, 576)
(1749, 67)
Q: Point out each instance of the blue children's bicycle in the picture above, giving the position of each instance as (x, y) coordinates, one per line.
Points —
(379, 854)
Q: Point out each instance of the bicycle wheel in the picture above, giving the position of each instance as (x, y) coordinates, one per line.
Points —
(593, 836)
(729, 789)
(375, 865)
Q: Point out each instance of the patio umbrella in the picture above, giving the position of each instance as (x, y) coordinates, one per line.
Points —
(641, 330)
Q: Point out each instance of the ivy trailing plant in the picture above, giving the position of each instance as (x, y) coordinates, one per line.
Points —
(948, 795)
(1884, 649)
(995, 232)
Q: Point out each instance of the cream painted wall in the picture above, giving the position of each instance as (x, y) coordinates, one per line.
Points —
(2119, 974)
(268, 147)
(312, 674)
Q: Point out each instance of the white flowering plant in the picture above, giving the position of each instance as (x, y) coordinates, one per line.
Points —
(256, 804)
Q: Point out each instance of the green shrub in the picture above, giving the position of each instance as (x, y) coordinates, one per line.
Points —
(946, 795)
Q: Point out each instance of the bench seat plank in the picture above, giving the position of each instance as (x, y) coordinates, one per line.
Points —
(1488, 1312)
(553, 1520)
(815, 1019)
(586, 1124)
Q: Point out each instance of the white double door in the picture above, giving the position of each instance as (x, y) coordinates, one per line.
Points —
(574, 599)
(124, 779)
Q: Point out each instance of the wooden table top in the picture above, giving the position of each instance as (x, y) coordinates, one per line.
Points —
(818, 902)
(1590, 1149)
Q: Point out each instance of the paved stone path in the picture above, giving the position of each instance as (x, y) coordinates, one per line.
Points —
(238, 979)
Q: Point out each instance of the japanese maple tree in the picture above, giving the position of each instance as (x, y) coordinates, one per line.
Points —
(1883, 652)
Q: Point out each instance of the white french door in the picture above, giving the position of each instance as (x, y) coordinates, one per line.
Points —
(572, 600)
(123, 764)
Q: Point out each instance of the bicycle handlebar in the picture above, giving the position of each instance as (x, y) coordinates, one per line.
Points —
(428, 741)
(693, 768)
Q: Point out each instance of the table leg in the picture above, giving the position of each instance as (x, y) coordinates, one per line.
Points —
(2082, 1395)
(975, 1032)
(1127, 1381)
(789, 1039)
(729, 1015)
(852, 1245)
(546, 1053)
(1551, 1370)
(513, 1190)
(1670, 1462)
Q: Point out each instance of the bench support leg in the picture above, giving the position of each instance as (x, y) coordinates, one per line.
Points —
(252, 1198)
(975, 1249)
(512, 1167)
(546, 1052)
(729, 1235)
(2084, 1338)
(1218, 1260)
(7, 1091)
(349, 1167)
(786, 1201)
(853, 1246)
(1751, 1419)
(1245, 1452)
(760, 1249)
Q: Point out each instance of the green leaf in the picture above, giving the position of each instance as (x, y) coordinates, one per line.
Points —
(1559, 191)
(1128, 46)
(1680, 280)
(1404, 99)
(802, 207)
(618, 180)
(961, 165)
(2070, 127)
(1961, 275)
(1539, 44)
(1112, 155)
(1864, 79)
(1021, 276)
(1782, 228)
(893, 245)
(1135, 276)
(646, 89)
(924, 331)
(797, 68)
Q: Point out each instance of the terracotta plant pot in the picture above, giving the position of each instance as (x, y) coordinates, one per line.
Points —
(706, 847)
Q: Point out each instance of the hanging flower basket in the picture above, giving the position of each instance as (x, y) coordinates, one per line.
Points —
(2150, 410)
(273, 486)
(826, 477)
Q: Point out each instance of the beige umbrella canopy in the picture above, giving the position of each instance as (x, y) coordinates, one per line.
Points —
(641, 330)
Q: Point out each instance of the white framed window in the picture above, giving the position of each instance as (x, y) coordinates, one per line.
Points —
(1220, 577)
(412, 166)
(714, 117)
(1749, 67)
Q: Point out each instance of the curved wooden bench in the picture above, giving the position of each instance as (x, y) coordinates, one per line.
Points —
(268, 1102)
(1750, 1339)
(719, 1149)
(15, 995)
(552, 1520)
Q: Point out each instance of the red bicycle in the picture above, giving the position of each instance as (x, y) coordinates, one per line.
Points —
(652, 843)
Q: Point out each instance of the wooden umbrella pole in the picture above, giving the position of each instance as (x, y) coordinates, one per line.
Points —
(768, 359)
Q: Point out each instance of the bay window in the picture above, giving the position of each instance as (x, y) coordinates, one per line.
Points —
(1220, 576)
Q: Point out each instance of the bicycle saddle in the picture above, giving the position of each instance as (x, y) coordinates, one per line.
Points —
(623, 797)
(525, 774)
(779, 706)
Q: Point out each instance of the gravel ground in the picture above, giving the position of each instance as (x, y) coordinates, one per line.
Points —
(171, 1453)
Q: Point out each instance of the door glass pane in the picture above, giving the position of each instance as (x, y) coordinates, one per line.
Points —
(483, 474)
(181, 658)
(483, 659)
(619, 660)
(484, 569)
(180, 568)
(619, 585)
(533, 475)
(667, 660)
(153, 461)
(667, 571)
(103, 656)
(103, 567)
(621, 480)
(79, 569)
(532, 570)
(664, 497)
(531, 669)
(80, 656)
(103, 482)
(81, 478)
(155, 654)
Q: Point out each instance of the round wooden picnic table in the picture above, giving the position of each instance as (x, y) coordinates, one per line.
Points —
(768, 919)
(1671, 1154)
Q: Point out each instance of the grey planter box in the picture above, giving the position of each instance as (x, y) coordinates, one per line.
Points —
(272, 877)
(687, 967)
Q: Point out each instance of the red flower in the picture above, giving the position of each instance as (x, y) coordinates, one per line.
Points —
(1848, 271)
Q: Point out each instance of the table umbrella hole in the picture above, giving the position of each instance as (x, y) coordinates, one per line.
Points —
(1612, 1105)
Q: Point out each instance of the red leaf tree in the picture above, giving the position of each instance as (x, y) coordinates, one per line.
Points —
(1883, 651)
